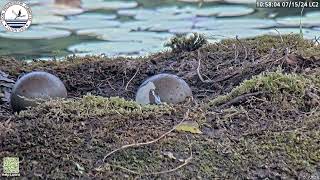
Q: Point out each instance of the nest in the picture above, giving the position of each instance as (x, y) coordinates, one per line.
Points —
(256, 101)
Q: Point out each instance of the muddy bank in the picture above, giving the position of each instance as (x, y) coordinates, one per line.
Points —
(256, 101)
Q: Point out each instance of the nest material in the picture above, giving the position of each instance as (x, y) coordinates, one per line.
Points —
(257, 105)
(6, 85)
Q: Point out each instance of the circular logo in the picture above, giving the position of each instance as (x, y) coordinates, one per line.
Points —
(16, 16)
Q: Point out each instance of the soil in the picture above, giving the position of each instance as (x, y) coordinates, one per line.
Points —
(256, 101)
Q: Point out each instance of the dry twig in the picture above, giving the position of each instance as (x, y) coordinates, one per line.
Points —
(126, 88)
(245, 49)
(186, 116)
(236, 53)
(186, 162)
(239, 99)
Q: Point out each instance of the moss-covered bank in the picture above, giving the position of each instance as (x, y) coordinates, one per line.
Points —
(256, 100)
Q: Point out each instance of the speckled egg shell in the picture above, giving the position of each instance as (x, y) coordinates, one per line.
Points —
(170, 88)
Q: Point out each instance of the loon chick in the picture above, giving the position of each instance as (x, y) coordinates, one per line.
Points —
(163, 87)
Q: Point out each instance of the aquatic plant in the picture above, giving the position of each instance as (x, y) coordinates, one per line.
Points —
(184, 42)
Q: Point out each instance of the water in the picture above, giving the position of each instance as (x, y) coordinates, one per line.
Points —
(138, 28)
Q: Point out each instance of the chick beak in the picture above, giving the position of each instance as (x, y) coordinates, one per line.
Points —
(154, 98)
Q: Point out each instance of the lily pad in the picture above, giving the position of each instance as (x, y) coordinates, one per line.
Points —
(36, 32)
(137, 25)
(159, 14)
(124, 35)
(52, 9)
(78, 24)
(313, 14)
(306, 21)
(235, 23)
(174, 10)
(108, 5)
(127, 36)
(164, 25)
(163, 16)
(46, 18)
(102, 31)
(224, 11)
(114, 48)
(157, 26)
(94, 16)
(133, 12)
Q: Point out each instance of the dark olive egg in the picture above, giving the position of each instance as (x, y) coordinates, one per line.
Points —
(34, 88)
(167, 88)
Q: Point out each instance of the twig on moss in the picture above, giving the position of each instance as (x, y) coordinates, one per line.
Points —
(280, 35)
(199, 73)
(186, 162)
(111, 86)
(236, 53)
(213, 81)
(126, 88)
(245, 49)
(300, 27)
(239, 99)
(186, 116)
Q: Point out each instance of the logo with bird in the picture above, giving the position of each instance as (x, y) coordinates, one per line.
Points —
(16, 16)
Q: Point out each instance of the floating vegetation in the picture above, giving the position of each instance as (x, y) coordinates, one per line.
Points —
(182, 43)
(107, 5)
(78, 24)
(37, 32)
(310, 20)
(116, 48)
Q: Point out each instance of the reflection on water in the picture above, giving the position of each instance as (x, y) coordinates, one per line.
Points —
(140, 27)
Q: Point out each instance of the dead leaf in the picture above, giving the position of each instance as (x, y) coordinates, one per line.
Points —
(189, 126)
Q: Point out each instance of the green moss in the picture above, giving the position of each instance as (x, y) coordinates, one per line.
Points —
(264, 44)
(276, 84)
(297, 148)
(98, 106)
